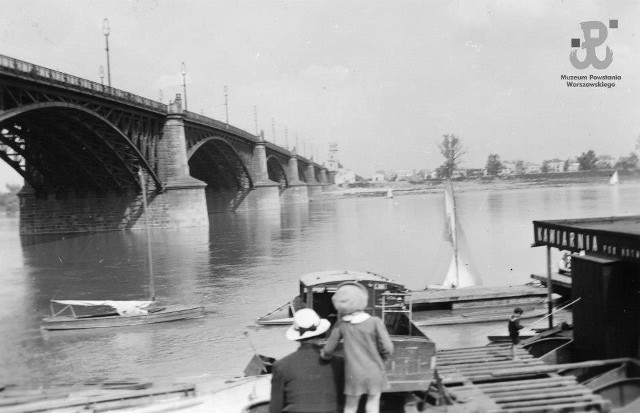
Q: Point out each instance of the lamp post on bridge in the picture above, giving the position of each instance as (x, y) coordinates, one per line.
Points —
(226, 103)
(255, 115)
(106, 30)
(183, 69)
(273, 127)
(102, 75)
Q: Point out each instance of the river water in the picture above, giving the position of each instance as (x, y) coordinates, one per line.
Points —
(246, 264)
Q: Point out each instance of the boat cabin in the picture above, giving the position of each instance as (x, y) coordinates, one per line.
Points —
(317, 289)
(605, 279)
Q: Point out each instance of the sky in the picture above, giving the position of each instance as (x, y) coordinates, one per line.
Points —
(385, 80)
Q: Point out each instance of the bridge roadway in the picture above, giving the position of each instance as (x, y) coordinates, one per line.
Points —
(80, 147)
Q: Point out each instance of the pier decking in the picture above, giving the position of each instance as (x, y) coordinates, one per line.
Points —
(468, 374)
(480, 296)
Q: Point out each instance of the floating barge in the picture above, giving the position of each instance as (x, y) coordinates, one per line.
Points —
(474, 297)
(463, 305)
(476, 304)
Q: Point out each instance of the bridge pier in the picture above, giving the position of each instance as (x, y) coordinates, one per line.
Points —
(183, 200)
(296, 192)
(314, 188)
(265, 194)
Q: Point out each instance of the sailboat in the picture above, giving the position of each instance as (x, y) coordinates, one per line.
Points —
(614, 180)
(85, 314)
(389, 193)
(462, 271)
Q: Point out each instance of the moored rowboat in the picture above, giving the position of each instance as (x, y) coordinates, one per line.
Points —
(68, 319)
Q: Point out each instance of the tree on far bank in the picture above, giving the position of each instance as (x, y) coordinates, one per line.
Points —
(627, 162)
(587, 160)
(494, 165)
(545, 167)
(451, 148)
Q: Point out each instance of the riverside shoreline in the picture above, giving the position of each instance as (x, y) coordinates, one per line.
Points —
(380, 189)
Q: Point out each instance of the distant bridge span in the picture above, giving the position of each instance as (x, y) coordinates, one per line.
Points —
(80, 145)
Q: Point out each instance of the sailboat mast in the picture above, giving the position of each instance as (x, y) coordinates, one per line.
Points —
(152, 288)
(454, 233)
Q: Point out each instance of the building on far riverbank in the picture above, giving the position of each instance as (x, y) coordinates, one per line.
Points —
(373, 189)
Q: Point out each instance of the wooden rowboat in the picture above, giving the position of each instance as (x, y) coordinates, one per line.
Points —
(69, 317)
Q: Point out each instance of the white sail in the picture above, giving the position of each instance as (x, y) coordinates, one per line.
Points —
(462, 271)
(614, 179)
(389, 193)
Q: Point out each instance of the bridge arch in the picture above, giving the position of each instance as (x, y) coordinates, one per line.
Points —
(214, 161)
(277, 172)
(61, 146)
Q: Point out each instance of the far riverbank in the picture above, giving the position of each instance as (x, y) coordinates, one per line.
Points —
(380, 189)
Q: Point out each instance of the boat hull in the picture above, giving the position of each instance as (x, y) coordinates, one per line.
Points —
(166, 315)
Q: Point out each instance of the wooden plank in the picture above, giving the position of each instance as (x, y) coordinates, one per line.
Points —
(499, 303)
(493, 366)
(506, 356)
(105, 397)
(483, 349)
(558, 367)
(547, 394)
(550, 379)
(483, 358)
(506, 388)
(600, 405)
(551, 402)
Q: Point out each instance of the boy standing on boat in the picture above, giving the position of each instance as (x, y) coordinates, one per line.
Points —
(514, 330)
(302, 381)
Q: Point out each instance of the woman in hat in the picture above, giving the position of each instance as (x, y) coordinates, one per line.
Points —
(303, 381)
(366, 347)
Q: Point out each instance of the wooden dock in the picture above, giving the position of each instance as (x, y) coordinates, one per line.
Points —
(468, 374)
(441, 318)
(469, 297)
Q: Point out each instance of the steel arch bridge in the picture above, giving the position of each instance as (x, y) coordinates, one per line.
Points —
(67, 135)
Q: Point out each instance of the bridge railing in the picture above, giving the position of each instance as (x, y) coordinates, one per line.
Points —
(220, 125)
(42, 73)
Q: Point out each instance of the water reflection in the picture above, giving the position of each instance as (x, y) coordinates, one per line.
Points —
(248, 263)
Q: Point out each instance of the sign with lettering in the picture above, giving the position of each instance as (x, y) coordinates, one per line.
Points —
(570, 236)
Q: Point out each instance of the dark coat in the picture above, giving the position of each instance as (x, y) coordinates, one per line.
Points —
(303, 382)
(514, 327)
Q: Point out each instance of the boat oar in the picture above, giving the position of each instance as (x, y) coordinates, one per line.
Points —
(256, 356)
(553, 312)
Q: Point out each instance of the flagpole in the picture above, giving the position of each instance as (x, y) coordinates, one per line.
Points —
(152, 288)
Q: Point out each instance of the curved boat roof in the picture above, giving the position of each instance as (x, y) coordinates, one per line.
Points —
(338, 276)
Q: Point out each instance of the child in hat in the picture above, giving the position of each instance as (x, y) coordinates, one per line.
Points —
(366, 346)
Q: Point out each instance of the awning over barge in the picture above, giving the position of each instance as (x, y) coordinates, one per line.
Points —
(615, 237)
